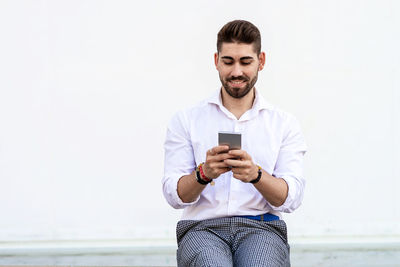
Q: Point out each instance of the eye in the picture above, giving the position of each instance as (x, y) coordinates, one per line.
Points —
(246, 62)
(228, 62)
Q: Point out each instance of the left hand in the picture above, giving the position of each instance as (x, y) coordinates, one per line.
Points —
(243, 167)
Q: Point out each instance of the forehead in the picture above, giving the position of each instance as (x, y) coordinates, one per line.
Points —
(237, 50)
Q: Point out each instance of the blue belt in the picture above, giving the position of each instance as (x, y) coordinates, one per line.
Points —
(263, 217)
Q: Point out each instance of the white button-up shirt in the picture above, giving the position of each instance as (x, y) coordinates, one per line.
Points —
(270, 136)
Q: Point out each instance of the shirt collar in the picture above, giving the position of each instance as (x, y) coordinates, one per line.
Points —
(259, 102)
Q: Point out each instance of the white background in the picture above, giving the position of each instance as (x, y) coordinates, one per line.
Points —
(87, 89)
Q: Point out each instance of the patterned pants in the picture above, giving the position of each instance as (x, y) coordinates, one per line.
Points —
(232, 241)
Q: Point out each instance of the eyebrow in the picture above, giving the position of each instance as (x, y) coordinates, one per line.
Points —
(242, 58)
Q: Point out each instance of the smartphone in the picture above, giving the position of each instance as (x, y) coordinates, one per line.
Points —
(233, 140)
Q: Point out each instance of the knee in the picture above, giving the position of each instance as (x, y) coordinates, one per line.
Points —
(204, 257)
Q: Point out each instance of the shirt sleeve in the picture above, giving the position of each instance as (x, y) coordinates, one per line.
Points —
(289, 166)
(178, 160)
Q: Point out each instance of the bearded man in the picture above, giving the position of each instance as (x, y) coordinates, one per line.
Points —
(232, 199)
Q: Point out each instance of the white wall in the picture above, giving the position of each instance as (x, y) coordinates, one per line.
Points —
(87, 89)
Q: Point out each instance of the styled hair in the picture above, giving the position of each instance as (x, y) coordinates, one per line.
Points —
(239, 31)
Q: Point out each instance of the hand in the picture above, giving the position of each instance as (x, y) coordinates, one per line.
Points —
(243, 167)
(215, 165)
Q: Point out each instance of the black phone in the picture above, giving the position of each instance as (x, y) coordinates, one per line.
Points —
(233, 140)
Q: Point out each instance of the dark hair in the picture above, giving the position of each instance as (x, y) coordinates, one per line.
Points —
(239, 31)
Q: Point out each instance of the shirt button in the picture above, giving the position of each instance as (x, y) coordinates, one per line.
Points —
(240, 127)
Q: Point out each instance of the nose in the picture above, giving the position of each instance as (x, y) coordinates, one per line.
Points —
(236, 70)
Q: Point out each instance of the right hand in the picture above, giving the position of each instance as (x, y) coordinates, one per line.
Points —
(215, 165)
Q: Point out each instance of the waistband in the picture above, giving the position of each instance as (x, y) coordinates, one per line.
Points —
(267, 217)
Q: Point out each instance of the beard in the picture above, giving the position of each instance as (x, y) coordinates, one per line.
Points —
(239, 92)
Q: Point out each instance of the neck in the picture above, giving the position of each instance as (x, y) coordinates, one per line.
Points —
(238, 106)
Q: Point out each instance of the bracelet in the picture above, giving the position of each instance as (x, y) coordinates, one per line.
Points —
(199, 180)
(203, 176)
(200, 177)
(258, 176)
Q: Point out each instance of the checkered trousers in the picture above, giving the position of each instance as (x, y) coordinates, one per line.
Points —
(232, 241)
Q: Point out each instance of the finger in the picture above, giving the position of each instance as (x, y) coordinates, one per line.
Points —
(218, 164)
(220, 157)
(237, 170)
(239, 153)
(220, 149)
(243, 172)
(235, 163)
(216, 172)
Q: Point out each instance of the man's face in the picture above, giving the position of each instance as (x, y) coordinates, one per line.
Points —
(238, 66)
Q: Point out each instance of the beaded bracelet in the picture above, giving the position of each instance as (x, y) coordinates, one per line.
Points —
(200, 177)
(199, 180)
(258, 176)
(203, 176)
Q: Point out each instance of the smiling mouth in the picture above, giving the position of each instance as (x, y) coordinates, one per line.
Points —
(237, 82)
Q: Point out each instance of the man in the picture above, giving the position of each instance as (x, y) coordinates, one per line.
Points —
(232, 199)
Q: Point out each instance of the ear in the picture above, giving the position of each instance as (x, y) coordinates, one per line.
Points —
(216, 59)
(261, 58)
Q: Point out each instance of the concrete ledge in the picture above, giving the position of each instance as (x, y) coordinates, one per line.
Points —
(67, 247)
(305, 252)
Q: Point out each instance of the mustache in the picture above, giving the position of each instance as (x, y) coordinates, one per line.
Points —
(236, 78)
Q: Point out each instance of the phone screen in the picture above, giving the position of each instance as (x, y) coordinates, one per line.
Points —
(233, 140)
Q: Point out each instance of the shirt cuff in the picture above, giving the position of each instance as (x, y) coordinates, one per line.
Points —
(178, 203)
(293, 200)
